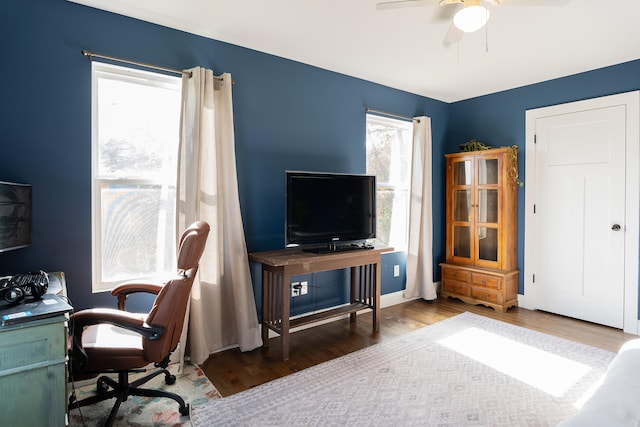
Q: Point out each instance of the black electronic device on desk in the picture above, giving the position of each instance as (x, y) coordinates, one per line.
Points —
(49, 305)
(14, 289)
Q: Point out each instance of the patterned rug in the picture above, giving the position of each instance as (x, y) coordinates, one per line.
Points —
(465, 370)
(192, 385)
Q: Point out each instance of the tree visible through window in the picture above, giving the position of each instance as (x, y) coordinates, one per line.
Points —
(389, 158)
(136, 117)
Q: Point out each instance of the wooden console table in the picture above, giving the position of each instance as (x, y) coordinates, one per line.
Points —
(277, 268)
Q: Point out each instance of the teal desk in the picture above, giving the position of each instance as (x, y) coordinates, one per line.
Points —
(33, 364)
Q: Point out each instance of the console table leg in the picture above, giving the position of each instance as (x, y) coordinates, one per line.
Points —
(353, 296)
(376, 296)
(266, 312)
(286, 298)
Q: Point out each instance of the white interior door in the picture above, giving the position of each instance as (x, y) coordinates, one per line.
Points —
(584, 230)
(581, 180)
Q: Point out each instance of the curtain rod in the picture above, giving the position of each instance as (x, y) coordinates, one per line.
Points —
(371, 110)
(92, 55)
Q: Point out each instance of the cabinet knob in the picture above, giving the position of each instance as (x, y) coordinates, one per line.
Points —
(615, 227)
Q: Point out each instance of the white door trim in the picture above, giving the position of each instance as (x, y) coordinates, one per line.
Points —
(632, 195)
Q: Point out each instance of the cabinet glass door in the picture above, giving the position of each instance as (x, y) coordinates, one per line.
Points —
(488, 244)
(488, 206)
(488, 171)
(487, 214)
(462, 205)
(461, 241)
(462, 210)
(462, 173)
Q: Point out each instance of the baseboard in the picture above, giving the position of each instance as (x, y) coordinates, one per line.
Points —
(525, 301)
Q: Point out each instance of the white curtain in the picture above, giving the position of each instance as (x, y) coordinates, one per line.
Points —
(222, 308)
(420, 253)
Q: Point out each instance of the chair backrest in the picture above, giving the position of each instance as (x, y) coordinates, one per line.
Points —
(191, 247)
(170, 306)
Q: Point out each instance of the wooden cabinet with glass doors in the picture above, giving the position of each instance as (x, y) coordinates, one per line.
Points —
(482, 202)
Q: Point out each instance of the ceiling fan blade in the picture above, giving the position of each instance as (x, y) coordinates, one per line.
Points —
(454, 35)
(386, 5)
(446, 13)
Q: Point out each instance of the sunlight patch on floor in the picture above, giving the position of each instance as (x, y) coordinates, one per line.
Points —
(545, 371)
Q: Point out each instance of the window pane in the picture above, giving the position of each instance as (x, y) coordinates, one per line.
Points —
(138, 223)
(137, 129)
(384, 204)
(389, 155)
(392, 212)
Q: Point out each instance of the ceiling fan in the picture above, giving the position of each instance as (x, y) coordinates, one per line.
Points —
(471, 17)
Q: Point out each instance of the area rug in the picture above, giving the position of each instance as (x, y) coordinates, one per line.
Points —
(465, 370)
(192, 385)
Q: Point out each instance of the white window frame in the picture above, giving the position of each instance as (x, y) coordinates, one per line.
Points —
(406, 126)
(103, 70)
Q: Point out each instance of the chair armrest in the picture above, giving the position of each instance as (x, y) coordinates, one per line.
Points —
(123, 290)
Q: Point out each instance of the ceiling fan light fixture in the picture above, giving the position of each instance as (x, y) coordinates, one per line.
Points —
(471, 18)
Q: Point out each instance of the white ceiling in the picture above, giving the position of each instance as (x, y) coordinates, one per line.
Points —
(402, 48)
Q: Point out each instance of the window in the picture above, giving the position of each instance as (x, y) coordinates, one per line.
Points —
(136, 119)
(389, 144)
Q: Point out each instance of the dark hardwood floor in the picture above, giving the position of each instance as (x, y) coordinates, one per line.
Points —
(232, 371)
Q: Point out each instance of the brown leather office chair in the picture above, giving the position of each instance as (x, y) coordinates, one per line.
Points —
(115, 341)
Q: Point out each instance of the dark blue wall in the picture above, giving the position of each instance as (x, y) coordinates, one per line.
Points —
(287, 116)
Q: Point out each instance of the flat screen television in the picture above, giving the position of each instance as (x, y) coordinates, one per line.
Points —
(327, 212)
(15, 216)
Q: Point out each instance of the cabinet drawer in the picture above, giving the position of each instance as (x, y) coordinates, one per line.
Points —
(454, 287)
(35, 397)
(486, 281)
(31, 346)
(487, 295)
(455, 274)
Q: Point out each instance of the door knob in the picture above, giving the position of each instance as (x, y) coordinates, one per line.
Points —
(615, 227)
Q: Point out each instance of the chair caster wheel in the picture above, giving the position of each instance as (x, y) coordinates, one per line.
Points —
(184, 410)
(102, 387)
(169, 379)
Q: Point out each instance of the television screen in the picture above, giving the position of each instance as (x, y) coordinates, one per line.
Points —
(329, 208)
(15, 216)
